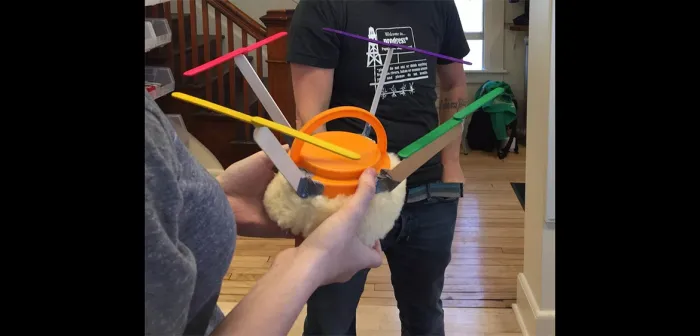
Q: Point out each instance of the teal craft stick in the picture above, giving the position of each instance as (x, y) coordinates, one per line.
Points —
(445, 127)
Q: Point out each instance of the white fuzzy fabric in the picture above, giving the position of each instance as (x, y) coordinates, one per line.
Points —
(302, 216)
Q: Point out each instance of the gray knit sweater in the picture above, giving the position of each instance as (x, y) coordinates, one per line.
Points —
(190, 235)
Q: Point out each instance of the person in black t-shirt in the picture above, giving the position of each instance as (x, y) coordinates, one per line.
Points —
(330, 70)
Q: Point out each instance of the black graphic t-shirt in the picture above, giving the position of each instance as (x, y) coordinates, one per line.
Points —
(407, 105)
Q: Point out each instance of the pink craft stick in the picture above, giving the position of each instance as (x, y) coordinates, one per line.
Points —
(231, 55)
(398, 46)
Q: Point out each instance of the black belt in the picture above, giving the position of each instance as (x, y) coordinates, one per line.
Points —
(435, 189)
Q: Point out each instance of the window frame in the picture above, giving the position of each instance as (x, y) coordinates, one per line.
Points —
(493, 37)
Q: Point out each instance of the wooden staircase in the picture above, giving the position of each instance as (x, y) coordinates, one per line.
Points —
(203, 30)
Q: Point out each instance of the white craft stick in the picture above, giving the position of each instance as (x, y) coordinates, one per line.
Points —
(378, 90)
(382, 78)
(410, 164)
(272, 147)
(260, 90)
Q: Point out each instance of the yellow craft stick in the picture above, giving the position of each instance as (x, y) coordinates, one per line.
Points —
(214, 107)
(257, 121)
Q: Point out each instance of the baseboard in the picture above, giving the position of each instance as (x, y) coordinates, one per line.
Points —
(532, 320)
(519, 319)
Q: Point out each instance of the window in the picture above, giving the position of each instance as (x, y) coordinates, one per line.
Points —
(476, 55)
(471, 13)
(482, 22)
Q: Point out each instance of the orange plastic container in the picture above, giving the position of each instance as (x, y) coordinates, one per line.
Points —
(338, 174)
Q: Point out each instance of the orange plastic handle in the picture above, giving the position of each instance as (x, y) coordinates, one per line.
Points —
(337, 113)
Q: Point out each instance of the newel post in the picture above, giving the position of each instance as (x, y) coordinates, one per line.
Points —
(279, 79)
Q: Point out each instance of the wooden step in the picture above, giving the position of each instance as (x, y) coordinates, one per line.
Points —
(224, 137)
(174, 27)
(159, 56)
(252, 108)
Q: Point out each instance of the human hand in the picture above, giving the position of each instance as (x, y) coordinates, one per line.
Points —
(452, 172)
(244, 184)
(334, 246)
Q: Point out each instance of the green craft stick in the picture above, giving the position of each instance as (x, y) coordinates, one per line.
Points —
(469, 109)
(445, 127)
(428, 138)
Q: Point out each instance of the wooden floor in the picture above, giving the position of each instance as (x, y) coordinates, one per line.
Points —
(487, 255)
(384, 321)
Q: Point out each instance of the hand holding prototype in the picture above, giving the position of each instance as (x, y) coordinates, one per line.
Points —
(244, 184)
(334, 248)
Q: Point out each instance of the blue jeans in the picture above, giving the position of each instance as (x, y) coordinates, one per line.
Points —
(418, 250)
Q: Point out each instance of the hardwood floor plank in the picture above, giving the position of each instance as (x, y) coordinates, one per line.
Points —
(239, 283)
(489, 222)
(251, 258)
(373, 320)
(485, 255)
(473, 231)
(488, 261)
(230, 298)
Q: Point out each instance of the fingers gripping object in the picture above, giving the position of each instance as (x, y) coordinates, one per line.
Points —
(339, 177)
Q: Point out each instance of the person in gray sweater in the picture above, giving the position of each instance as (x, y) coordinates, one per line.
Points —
(191, 223)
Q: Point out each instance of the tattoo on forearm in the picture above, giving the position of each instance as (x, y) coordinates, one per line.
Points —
(451, 106)
(446, 104)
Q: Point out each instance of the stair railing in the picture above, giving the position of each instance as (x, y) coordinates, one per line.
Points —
(223, 27)
(216, 19)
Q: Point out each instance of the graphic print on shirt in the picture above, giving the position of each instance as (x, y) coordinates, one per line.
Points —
(405, 67)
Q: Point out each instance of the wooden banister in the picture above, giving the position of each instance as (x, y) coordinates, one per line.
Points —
(279, 74)
(194, 44)
(242, 19)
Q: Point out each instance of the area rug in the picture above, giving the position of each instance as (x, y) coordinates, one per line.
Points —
(519, 189)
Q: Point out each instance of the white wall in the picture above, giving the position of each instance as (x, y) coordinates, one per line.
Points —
(550, 167)
(513, 58)
(513, 71)
(548, 243)
(535, 309)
